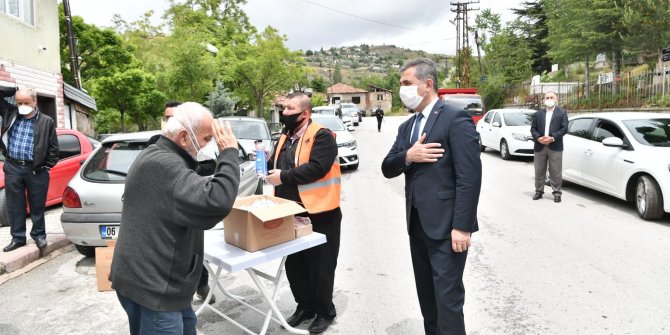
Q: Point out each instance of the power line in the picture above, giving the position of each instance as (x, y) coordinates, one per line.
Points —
(358, 17)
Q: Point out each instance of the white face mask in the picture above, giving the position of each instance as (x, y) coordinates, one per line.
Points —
(549, 103)
(25, 110)
(410, 97)
(209, 152)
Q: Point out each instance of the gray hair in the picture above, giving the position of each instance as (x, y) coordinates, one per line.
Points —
(425, 69)
(188, 113)
(28, 91)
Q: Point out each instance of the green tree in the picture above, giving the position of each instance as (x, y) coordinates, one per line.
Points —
(262, 69)
(221, 102)
(318, 84)
(337, 75)
(193, 69)
(648, 25)
(533, 23)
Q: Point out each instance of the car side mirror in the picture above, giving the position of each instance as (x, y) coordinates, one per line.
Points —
(614, 142)
(350, 128)
(275, 136)
(496, 124)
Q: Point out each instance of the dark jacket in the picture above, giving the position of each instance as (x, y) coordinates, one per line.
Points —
(45, 145)
(557, 128)
(445, 193)
(379, 113)
(158, 258)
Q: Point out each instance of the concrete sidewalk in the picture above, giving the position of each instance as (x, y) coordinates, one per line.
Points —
(17, 259)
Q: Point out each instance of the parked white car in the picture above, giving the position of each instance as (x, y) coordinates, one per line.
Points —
(508, 131)
(347, 149)
(626, 155)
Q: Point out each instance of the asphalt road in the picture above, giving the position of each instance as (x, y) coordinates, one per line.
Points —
(588, 265)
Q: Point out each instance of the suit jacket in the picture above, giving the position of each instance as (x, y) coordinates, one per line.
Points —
(557, 128)
(445, 193)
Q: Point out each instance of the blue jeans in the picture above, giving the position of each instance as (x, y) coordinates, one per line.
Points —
(144, 321)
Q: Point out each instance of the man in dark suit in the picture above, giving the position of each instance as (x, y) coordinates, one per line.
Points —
(548, 137)
(438, 151)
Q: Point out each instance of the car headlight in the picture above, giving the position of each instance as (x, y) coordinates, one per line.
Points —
(520, 137)
(350, 144)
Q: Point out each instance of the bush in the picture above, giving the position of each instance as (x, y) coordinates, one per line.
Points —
(493, 92)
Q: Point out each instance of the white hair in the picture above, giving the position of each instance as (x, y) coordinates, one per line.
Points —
(28, 91)
(188, 113)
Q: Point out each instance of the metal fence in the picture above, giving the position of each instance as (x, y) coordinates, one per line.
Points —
(628, 90)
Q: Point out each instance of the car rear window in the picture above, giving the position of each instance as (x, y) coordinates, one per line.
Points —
(249, 130)
(651, 132)
(112, 161)
(331, 123)
(473, 106)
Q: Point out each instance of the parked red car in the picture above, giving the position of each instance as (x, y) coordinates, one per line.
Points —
(74, 148)
(465, 98)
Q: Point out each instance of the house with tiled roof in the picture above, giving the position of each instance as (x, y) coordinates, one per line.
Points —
(366, 100)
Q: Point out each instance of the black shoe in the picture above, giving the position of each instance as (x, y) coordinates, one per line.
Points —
(202, 293)
(298, 317)
(537, 195)
(12, 246)
(319, 325)
(41, 242)
(557, 198)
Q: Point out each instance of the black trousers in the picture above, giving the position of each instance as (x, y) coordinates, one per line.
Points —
(311, 272)
(19, 181)
(204, 278)
(379, 123)
(438, 272)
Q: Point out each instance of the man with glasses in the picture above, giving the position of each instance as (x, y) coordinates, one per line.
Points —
(548, 128)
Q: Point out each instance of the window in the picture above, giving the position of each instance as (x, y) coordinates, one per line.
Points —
(518, 119)
(488, 117)
(356, 100)
(21, 9)
(496, 118)
(112, 162)
(606, 129)
(580, 127)
(380, 97)
(651, 132)
(68, 146)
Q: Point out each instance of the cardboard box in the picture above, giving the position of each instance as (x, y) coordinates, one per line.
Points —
(302, 225)
(103, 264)
(260, 228)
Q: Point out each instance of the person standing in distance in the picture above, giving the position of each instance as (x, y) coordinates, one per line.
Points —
(304, 168)
(548, 127)
(379, 113)
(441, 194)
(166, 208)
(30, 146)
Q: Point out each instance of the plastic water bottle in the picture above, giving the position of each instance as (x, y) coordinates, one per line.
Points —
(261, 161)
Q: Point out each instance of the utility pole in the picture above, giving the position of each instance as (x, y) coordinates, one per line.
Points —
(463, 40)
(74, 61)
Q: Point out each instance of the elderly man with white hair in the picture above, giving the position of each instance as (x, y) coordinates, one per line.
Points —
(166, 208)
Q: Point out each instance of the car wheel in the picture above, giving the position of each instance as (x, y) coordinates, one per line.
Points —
(353, 167)
(481, 147)
(504, 150)
(4, 212)
(259, 188)
(648, 199)
(85, 250)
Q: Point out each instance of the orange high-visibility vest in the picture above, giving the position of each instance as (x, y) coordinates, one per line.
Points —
(323, 194)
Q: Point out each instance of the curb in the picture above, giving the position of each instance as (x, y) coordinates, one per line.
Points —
(17, 259)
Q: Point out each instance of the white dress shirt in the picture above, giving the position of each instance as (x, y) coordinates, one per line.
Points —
(426, 113)
(547, 121)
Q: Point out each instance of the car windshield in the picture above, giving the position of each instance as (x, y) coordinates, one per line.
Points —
(651, 132)
(331, 123)
(471, 105)
(517, 119)
(112, 162)
(348, 106)
(324, 111)
(249, 130)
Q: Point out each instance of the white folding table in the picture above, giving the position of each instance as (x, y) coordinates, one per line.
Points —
(230, 258)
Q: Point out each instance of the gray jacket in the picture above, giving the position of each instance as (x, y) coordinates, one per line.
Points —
(166, 208)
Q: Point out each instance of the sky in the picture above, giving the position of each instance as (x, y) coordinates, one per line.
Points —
(313, 24)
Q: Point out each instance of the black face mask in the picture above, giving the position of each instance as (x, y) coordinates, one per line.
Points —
(290, 121)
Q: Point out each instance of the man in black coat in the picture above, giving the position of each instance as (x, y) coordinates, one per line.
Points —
(379, 113)
(548, 128)
(30, 146)
(438, 151)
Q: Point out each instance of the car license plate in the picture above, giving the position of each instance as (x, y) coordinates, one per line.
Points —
(109, 232)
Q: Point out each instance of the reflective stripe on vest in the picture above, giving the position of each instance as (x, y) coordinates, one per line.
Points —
(323, 194)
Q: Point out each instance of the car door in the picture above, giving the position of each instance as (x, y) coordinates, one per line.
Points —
(248, 178)
(575, 144)
(495, 133)
(603, 167)
(484, 128)
(69, 154)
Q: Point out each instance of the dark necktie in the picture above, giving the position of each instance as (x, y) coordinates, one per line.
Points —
(417, 125)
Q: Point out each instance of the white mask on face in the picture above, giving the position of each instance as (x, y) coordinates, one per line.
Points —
(209, 152)
(549, 103)
(409, 96)
(25, 110)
